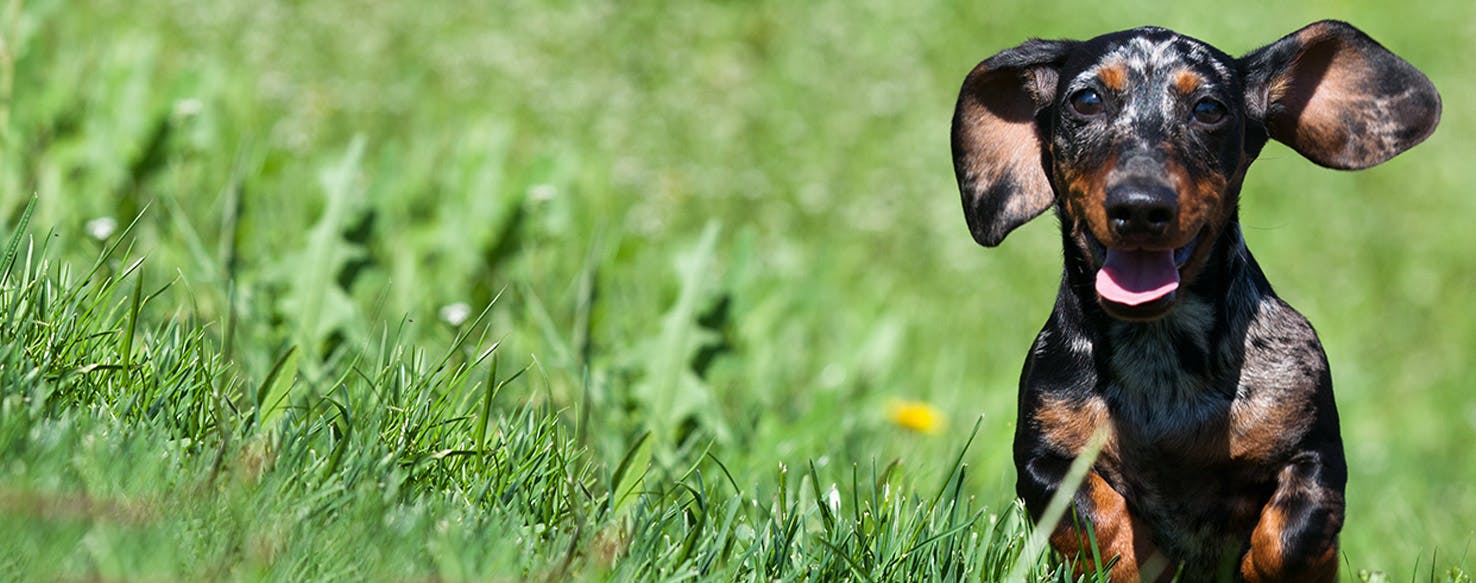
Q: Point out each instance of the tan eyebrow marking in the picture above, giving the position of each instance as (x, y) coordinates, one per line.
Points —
(1186, 81)
(1113, 76)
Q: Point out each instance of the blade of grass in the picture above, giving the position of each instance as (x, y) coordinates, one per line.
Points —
(1056, 508)
(125, 351)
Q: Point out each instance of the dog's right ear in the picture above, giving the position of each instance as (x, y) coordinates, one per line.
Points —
(996, 141)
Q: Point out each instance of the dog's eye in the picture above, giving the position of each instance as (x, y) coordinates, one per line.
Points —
(1209, 111)
(1086, 102)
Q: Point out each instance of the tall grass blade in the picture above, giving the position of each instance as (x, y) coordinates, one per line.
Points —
(1058, 505)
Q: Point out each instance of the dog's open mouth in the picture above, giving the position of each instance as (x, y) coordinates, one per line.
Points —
(1136, 277)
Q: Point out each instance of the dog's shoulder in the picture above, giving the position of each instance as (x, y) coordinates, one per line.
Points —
(1283, 386)
(1281, 352)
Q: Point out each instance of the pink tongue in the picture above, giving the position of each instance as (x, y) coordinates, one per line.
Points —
(1137, 277)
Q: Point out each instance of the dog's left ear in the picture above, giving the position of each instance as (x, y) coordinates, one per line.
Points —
(997, 142)
(1338, 97)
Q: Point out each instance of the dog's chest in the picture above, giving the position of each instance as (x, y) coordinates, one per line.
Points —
(1161, 378)
(1200, 428)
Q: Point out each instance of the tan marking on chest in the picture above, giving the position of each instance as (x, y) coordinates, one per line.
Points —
(1068, 424)
(1261, 429)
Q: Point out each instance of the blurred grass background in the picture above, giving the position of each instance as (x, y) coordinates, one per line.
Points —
(734, 224)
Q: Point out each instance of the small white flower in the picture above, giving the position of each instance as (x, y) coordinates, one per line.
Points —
(188, 107)
(542, 192)
(833, 499)
(101, 228)
(455, 314)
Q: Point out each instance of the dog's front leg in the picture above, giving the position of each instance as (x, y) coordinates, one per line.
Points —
(1296, 538)
(1118, 533)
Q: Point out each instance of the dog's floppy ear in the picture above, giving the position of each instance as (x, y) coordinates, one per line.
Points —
(996, 143)
(1338, 97)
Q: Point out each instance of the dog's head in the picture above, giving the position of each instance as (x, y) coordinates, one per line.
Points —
(1143, 138)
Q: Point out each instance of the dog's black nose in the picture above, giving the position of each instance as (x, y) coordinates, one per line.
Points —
(1141, 211)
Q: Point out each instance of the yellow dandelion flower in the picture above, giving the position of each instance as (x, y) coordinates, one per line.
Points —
(915, 416)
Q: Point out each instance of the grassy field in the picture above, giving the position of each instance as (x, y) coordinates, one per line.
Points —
(395, 290)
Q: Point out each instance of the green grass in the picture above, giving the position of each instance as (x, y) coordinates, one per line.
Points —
(704, 246)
